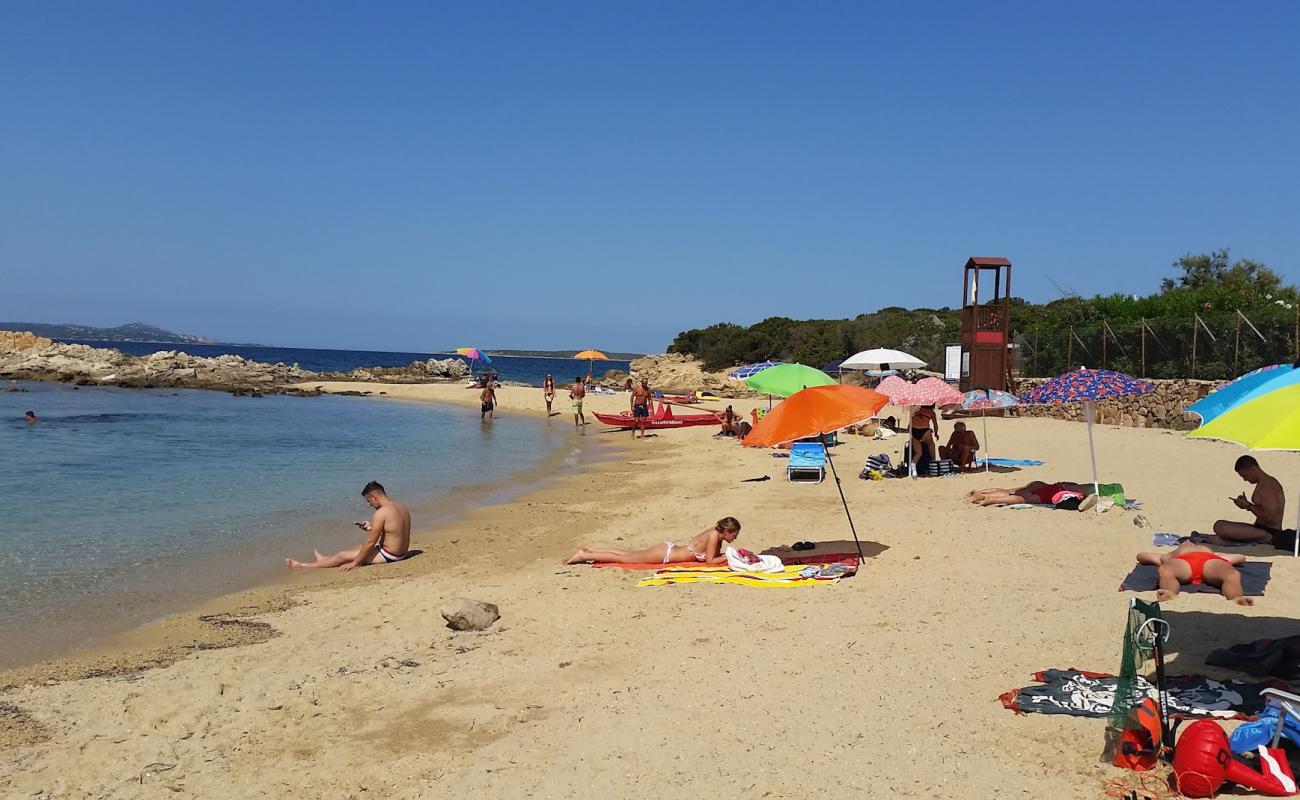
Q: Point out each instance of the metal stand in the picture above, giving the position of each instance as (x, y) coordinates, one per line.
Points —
(861, 558)
(1159, 631)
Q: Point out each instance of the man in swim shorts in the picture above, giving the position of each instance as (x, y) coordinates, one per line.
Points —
(388, 541)
(1197, 564)
(961, 447)
(576, 392)
(640, 408)
(1267, 504)
(488, 400)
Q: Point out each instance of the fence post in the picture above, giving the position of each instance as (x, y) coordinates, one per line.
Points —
(1236, 347)
(1142, 330)
(1069, 350)
(1195, 327)
(1104, 326)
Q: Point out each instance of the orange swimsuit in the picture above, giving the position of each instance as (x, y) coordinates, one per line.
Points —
(1197, 562)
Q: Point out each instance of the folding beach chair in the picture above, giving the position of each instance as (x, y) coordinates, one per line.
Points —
(807, 463)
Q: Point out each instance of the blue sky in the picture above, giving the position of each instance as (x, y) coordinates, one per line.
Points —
(550, 175)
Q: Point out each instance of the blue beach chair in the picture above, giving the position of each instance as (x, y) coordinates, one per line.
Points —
(807, 463)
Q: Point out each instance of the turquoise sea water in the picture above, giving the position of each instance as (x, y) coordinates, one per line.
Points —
(120, 504)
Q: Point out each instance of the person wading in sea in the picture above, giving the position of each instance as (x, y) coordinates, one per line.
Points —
(31, 418)
(488, 398)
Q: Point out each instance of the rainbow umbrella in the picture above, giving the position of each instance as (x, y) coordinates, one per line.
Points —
(984, 401)
(1247, 387)
(1087, 386)
(818, 411)
(592, 356)
(1268, 422)
(473, 354)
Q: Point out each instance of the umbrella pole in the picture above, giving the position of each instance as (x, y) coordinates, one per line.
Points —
(1296, 553)
(861, 558)
(1092, 451)
(987, 454)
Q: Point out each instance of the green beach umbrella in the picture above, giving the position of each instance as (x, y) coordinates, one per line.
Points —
(1268, 422)
(784, 380)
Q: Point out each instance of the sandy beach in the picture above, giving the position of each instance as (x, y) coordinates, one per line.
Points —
(884, 685)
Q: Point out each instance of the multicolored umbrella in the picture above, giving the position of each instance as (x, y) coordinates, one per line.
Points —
(784, 380)
(1086, 386)
(984, 401)
(746, 371)
(1268, 422)
(1248, 386)
(818, 411)
(473, 354)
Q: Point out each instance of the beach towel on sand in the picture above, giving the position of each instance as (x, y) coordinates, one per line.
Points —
(1092, 694)
(788, 577)
(1008, 462)
(1254, 577)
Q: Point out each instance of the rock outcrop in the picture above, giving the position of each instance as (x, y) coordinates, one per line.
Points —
(673, 372)
(24, 356)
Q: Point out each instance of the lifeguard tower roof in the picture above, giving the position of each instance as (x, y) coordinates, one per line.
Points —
(988, 261)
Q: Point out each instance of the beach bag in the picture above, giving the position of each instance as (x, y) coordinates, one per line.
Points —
(940, 468)
(879, 463)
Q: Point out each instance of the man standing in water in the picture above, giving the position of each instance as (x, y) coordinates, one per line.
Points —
(389, 540)
(488, 398)
(548, 391)
(1267, 503)
(640, 408)
(31, 418)
(576, 393)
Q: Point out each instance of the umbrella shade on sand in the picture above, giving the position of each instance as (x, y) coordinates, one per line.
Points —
(592, 356)
(1247, 387)
(1269, 422)
(1087, 386)
(882, 359)
(748, 370)
(784, 380)
(819, 411)
(984, 401)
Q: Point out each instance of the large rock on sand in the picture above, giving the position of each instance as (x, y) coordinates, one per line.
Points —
(673, 372)
(463, 614)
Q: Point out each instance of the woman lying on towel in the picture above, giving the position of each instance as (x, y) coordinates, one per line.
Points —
(705, 548)
(1035, 492)
(1196, 563)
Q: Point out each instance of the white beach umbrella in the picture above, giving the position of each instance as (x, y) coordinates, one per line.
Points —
(882, 359)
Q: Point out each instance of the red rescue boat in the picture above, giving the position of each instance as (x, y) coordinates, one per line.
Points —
(663, 417)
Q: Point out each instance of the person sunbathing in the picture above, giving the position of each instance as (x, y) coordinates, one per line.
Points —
(961, 447)
(704, 548)
(1034, 492)
(1197, 564)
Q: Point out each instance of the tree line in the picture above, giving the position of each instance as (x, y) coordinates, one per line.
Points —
(1212, 318)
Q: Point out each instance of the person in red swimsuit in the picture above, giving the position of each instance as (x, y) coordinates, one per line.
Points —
(1032, 492)
(1197, 564)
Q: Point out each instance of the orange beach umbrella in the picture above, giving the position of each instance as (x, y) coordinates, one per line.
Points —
(818, 411)
(591, 355)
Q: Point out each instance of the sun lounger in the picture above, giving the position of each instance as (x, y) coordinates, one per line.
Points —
(807, 463)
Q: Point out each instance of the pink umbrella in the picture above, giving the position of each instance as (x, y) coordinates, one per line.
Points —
(899, 391)
(934, 392)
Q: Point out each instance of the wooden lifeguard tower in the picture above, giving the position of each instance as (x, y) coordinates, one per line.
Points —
(986, 324)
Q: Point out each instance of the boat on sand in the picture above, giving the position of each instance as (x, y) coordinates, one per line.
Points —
(662, 417)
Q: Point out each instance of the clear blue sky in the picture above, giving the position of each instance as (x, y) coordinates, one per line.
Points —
(550, 175)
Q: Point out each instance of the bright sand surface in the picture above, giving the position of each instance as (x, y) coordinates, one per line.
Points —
(884, 685)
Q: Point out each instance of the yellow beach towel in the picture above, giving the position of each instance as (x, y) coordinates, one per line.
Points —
(788, 578)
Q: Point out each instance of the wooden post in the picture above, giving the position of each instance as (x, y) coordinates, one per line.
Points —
(1036, 346)
(1103, 344)
(1236, 348)
(1069, 350)
(1195, 326)
(1297, 331)
(1142, 330)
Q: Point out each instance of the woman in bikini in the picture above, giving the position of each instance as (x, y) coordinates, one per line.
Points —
(548, 390)
(1197, 564)
(706, 547)
(1036, 492)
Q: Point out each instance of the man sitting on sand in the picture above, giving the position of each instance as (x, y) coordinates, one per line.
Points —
(706, 547)
(1034, 492)
(1267, 503)
(1197, 564)
(390, 536)
(961, 447)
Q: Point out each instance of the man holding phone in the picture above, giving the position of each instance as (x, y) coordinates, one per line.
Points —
(1267, 503)
(389, 540)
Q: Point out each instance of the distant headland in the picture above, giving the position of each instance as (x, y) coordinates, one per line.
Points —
(130, 332)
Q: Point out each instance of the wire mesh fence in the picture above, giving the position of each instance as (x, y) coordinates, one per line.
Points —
(1211, 347)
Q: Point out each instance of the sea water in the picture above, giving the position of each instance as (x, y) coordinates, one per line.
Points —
(121, 504)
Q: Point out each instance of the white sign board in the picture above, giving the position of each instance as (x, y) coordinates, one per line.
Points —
(952, 362)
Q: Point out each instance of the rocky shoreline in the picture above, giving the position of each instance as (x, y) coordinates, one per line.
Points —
(25, 356)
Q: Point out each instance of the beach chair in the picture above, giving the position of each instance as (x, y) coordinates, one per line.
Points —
(807, 463)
